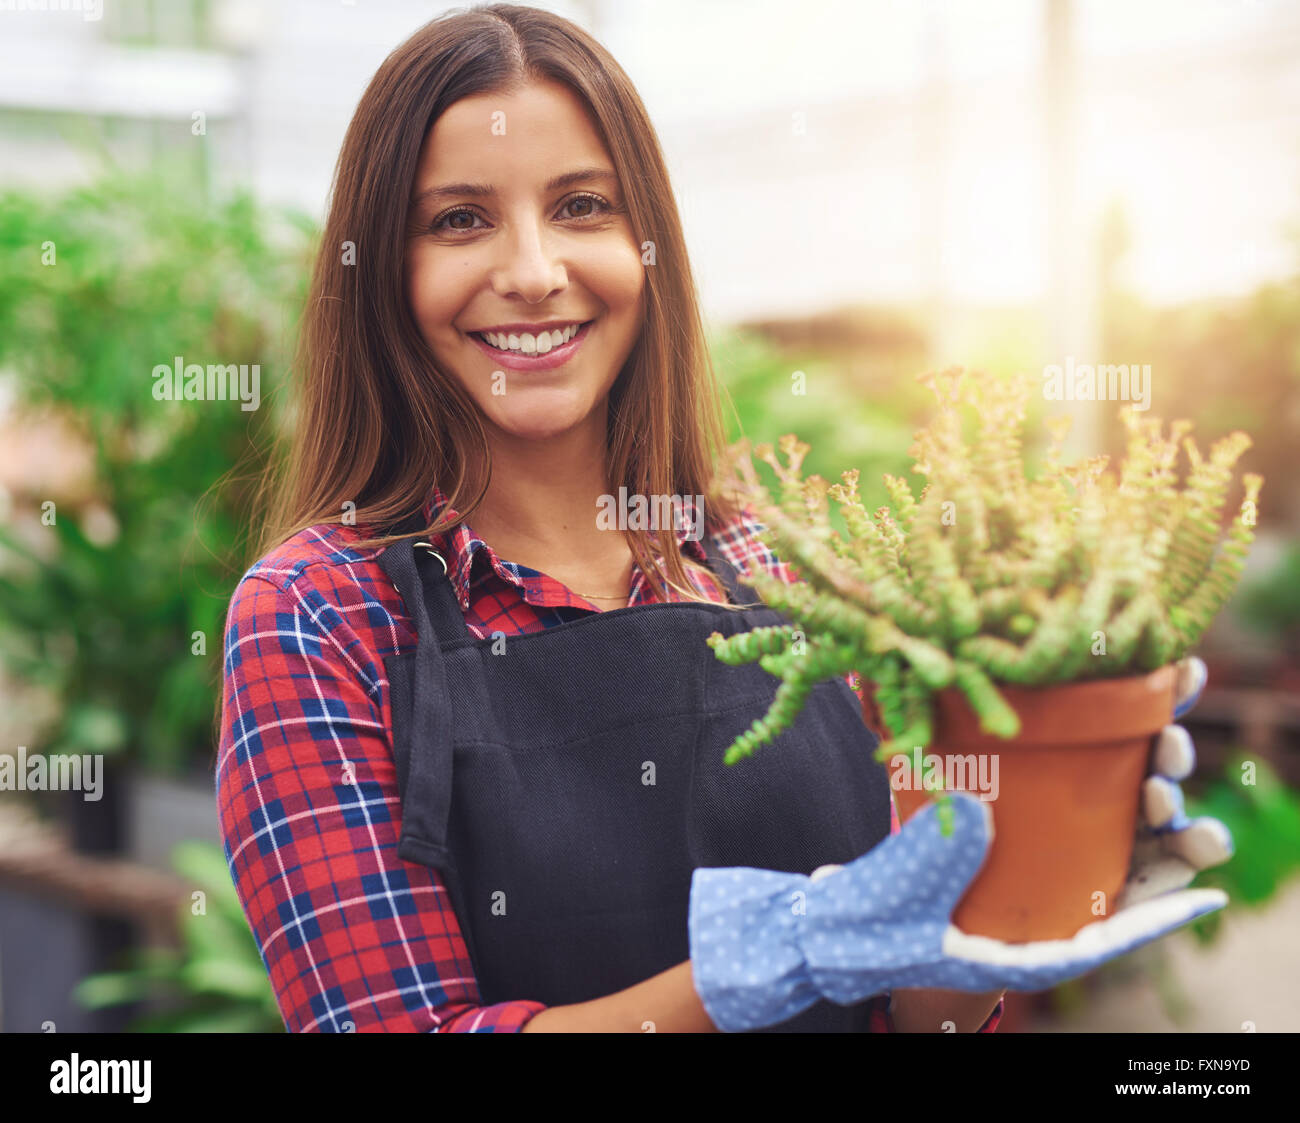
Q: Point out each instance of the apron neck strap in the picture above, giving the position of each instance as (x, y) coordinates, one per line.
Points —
(419, 574)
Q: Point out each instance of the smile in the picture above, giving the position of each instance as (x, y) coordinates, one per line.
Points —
(526, 354)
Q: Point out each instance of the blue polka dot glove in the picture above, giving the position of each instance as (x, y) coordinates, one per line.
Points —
(766, 945)
(1171, 848)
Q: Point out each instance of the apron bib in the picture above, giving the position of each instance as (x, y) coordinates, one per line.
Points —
(567, 787)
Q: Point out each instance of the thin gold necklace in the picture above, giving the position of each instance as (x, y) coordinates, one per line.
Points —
(593, 596)
(596, 596)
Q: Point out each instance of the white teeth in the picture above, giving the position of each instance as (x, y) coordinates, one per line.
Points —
(528, 344)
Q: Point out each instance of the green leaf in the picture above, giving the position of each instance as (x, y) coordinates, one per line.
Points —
(231, 977)
(94, 728)
(115, 988)
(1264, 819)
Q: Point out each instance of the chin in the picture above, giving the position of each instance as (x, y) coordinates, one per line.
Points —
(535, 429)
(541, 424)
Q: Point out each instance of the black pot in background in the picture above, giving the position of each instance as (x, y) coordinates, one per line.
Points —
(100, 827)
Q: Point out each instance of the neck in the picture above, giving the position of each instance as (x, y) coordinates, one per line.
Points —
(541, 502)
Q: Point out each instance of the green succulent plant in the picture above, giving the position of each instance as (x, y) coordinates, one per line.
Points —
(988, 576)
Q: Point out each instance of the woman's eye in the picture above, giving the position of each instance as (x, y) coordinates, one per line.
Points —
(442, 221)
(584, 208)
(592, 201)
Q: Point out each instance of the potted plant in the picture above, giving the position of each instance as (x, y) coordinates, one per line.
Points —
(115, 578)
(1004, 627)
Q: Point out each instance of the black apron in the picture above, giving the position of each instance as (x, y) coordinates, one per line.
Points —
(566, 787)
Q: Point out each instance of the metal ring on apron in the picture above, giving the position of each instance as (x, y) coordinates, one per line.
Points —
(429, 546)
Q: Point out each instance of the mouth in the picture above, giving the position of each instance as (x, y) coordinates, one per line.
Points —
(520, 359)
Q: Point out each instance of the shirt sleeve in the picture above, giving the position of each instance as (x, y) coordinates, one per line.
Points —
(353, 938)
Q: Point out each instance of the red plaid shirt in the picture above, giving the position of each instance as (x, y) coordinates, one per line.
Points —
(353, 937)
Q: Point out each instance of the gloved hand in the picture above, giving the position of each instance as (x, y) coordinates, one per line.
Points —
(766, 945)
(1171, 849)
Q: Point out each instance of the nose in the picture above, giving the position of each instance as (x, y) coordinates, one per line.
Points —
(529, 267)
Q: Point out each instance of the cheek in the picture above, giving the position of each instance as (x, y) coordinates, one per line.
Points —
(618, 277)
(430, 291)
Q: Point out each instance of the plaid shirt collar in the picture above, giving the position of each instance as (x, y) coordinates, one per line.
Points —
(461, 549)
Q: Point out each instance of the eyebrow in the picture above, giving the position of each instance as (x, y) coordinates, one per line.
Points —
(482, 190)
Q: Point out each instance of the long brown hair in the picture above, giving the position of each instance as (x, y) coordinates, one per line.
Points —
(377, 423)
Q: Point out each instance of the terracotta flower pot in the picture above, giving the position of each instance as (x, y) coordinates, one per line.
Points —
(1064, 795)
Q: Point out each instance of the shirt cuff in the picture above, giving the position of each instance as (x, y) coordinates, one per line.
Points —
(992, 1023)
(879, 1020)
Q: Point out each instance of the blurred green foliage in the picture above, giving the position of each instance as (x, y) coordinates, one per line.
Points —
(1264, 818)
(851, 418)
(99, 285)
(1272, 604)
(217, 983)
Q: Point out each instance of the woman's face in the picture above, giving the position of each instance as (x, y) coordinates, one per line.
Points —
(497, 245)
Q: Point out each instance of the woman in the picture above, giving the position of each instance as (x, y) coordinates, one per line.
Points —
(458, 789)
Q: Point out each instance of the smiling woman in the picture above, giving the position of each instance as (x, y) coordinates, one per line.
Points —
(455, 793)
(501, 182)
(515, 236)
